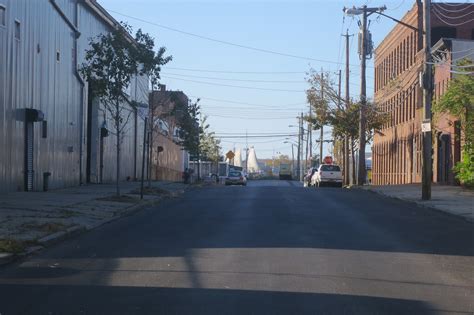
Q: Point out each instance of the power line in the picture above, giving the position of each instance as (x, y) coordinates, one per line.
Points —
(236, 86)
(228, 79)
(398, 6)
(449, 23)
(259, 136)
(452, 17)
(226, 42)
(244, 103)
(438, 6)
(237, 72)
(250, 118)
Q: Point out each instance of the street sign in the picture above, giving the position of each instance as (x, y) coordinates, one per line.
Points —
(426, 126)
(230, 155)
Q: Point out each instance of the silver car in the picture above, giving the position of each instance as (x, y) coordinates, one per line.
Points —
(236, 178)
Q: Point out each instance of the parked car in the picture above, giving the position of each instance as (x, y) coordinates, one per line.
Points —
(327, 174)
(236, 178)
(308, 176)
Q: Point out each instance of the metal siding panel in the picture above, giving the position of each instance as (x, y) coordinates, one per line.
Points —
(29, 78)
(34, 79)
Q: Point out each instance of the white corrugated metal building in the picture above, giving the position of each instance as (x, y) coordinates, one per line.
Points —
(47, 122)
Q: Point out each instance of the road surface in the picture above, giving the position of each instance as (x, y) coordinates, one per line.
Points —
(272, 247)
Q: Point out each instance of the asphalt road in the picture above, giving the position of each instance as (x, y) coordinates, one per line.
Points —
(272, 247)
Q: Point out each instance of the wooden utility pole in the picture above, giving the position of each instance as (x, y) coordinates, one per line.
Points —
(363, 100)
(339, 106)
(427, 167)
(310, 137)
(321, 136)
(346, 137)
(365, 46)
(298, 165)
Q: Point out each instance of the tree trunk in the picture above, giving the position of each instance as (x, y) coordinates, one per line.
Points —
(353, 162)
(117, 130)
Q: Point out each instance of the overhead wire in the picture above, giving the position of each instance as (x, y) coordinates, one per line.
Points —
(239, 80)
(236, 72)
(442, 7)
(245, 103)
(449, 23)
(223, 41)
(236, 86)
(435, 8)
(398, 6)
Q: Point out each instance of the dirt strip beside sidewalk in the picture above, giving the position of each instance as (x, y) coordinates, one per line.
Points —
(30, 221)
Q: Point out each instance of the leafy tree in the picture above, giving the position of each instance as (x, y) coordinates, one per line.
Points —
(110, 63)
(187, 115)
(333, 110)
(209, 146)
(458, 100)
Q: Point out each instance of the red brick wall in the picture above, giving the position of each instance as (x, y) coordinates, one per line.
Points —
(398, 61)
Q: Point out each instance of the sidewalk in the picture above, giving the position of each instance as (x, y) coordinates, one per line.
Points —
(31, 220)
(451, 199)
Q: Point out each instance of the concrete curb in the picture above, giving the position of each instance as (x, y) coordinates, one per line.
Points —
(416, 203)
(51, 239)
(6, 258)
(58, 236)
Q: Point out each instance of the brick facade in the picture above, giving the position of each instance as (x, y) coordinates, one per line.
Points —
(398, 62)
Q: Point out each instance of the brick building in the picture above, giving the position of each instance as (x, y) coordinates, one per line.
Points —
(398, 62)
(171, 162)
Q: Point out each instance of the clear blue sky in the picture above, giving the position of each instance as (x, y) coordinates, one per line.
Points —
(308, 29)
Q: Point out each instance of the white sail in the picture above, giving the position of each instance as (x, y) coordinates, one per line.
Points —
(252, 165)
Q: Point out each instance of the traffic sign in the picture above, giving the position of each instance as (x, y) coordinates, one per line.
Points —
(230, 155)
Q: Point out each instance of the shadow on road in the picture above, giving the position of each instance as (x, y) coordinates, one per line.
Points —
(140, 300)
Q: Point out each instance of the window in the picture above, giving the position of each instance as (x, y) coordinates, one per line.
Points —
(58, 56)
(330, 168)
(17, 30)
(3, 17)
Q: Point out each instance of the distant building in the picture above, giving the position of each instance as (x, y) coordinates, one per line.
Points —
(171, 162)
(49, 124)
(398, 63)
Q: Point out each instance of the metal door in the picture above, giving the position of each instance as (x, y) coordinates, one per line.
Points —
(29, 172)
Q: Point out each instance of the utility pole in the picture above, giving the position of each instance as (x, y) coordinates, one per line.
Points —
(246, 152)
(339, 105)
(292, 160)
(307, 151)
(321, 136)
(363, 100)
(310, 137)
(427, 167)
(346, 137)
(301, 135)
(365, 46)
(298, 163)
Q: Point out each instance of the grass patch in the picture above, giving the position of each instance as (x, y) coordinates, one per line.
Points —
(12, 246)
(151, 191)
(68, 213)
(50, 227)
(121, 198)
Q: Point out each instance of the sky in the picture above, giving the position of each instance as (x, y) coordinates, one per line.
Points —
(261, 90)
